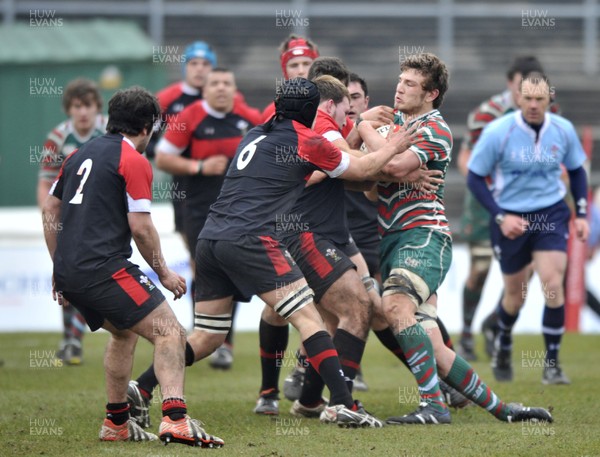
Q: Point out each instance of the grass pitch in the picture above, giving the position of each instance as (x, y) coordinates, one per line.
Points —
(57, 411)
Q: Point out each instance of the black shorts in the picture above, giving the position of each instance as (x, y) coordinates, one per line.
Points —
(193, 223)
(548, 230)
(123, 299)
(248, 266)
(322, 261)
(370, 252)
(178, 208)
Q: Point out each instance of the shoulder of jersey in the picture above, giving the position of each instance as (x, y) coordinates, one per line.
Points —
(502, 121)
(168, 94)
(252, 114)
(558, 119)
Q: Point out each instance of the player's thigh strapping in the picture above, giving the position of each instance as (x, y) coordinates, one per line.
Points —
(248, 266)
(414, 263)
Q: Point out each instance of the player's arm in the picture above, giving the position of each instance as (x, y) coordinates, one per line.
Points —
(475, 125)
(573, 161)
(399, 167)
(578, 181)
(376, 116)
(172, 144)
(148, 243)
(43, 188)
(51, 210)
(49, 169)
(50, 219)
(483, 160)
(367, 166)
(169, 159)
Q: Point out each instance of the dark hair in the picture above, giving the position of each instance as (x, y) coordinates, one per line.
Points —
(132, 110)
(331, 66)
(524, 65)
(354, 78)
(81, 89)
(535, 77)
(331, 88)
(434, 70)
(220, 70)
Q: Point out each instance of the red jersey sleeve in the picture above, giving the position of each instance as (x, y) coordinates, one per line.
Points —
(181, 126)
(137, 173)
(317, 150)
(168, 95)
(251, 114)
(348, 127)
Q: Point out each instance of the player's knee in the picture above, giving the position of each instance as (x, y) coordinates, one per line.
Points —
(406, 283)
(271, 317)
(294, 301)
(426, 315)
(477, 278)
(213, 323)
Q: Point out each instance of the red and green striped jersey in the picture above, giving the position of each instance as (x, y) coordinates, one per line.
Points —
(403, 206)
(489, 110)
(62, 141)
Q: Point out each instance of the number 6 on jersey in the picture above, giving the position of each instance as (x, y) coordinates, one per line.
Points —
(248, 152)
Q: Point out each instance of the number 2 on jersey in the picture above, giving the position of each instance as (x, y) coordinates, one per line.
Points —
(84, 169)
(248, 152)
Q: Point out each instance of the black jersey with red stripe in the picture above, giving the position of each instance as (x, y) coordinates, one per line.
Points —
(205, 133)
(266, 177)
(321, 207)
(362, 217)
(174, 98)
(98, 184)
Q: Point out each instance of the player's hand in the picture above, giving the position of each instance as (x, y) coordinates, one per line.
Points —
(57, 295)
(425, 180)
(403, 138)
(315, 178)
(215, 165)
(582, 228)
(174, 283)
(513, 226)
(378, 115)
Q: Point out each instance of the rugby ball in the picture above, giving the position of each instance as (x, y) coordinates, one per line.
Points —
(384, 130)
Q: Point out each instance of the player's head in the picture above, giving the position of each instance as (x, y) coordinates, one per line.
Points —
(422, 84)
(297, 99)
(331, 66)
(82, 102)
(359, 96)
(133, 112)
(296, 55)
(219, 89)
(199, 59)
(534, 96)
(519, 67)
(335, 99)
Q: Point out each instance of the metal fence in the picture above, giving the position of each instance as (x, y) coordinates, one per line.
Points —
(446, 15)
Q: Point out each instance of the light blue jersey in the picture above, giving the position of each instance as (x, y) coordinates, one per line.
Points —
(526, 174)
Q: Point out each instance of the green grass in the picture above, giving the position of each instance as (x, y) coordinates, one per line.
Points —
(58, 411)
